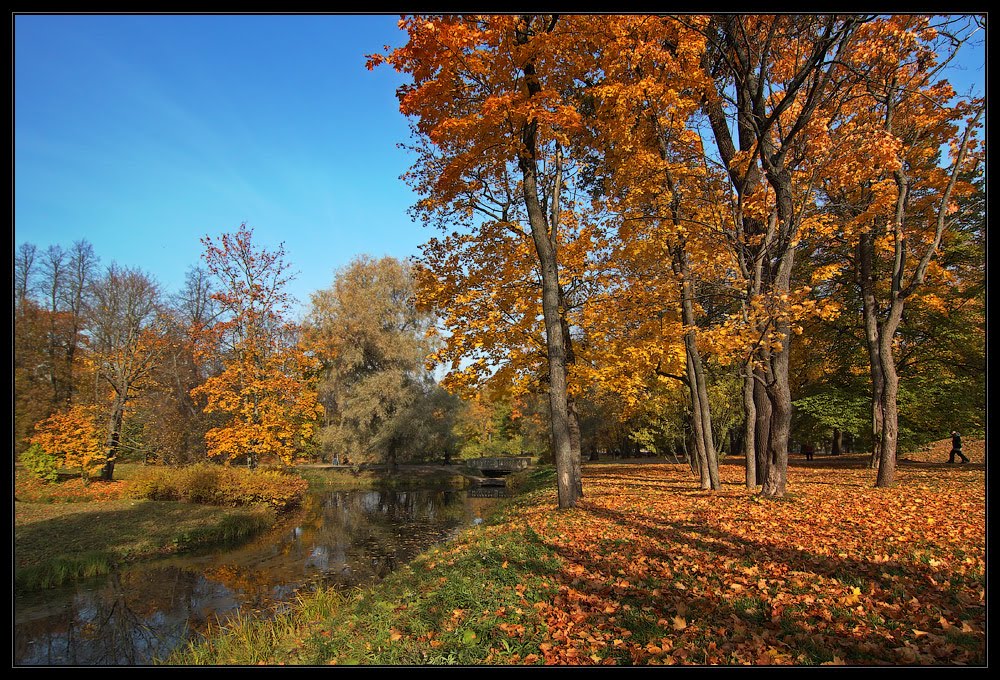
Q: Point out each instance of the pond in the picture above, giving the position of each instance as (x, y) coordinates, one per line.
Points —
(143, 612)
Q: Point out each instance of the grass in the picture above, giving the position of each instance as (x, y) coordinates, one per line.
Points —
(650, 570)
(61, 542)
(75, 528)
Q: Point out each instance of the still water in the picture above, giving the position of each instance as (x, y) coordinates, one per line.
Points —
(141, 613)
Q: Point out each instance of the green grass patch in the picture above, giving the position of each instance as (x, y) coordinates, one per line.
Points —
(452, 605)
(58, 543)
(63, 569)
(754, 610)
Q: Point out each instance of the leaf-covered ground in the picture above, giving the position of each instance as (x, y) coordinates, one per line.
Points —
(836, 572)
(650, 570)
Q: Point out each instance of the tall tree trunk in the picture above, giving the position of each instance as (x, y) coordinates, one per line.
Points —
(697, 423)
(890, 410)
(556, 350)
(837, 444)
(113, 439)
(700, 410)
(762, 429)
(749, 428)
(574, 417)
(869, 306)
(778, 389)
(545, 239)
(776, 476)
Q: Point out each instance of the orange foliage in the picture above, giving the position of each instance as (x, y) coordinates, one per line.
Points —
(267, 390)
(72, 436)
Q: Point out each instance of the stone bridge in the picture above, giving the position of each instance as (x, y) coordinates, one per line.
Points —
(499, 466)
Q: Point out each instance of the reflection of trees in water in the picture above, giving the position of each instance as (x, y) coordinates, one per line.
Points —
(124, 622)
(252, 587)
(341, 538)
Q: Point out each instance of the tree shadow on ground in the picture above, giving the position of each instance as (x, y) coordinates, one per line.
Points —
(874, 636)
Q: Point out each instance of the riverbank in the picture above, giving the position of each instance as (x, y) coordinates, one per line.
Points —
(73, 530)
(57, 543)
(70, 530)
(650, 570)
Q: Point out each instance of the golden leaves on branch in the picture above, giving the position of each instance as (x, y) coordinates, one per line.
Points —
(73, 437)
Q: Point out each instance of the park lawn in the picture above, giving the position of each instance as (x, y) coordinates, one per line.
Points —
(55, 543)
(648, 569)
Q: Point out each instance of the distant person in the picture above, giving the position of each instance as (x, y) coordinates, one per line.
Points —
(808, 450)
(956, 448)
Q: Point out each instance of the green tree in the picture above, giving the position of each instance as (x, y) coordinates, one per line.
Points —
(372, 342)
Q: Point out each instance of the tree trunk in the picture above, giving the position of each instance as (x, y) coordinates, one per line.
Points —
(749, 428)
(701, 412)
(113, 439)
(762, 428)
(691, 449)
(890, 410)
(575, 440)
(545, 238)
(776, 476)
(866, 283)
(697, 423)
(837, 444)
(704, 412)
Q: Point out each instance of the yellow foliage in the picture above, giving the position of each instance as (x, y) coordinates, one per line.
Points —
(73, 437)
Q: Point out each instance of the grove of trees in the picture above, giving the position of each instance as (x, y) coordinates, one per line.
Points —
(647, 195)
(696, 236)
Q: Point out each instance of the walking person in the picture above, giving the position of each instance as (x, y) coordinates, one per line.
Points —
(956, 448)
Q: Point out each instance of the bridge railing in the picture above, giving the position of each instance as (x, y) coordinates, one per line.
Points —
(500, 463)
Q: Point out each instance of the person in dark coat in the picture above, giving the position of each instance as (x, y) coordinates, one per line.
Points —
(956, 448)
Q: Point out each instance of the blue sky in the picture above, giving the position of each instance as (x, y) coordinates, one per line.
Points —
(144, 133)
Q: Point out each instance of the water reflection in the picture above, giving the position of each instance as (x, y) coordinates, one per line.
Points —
(342, 538)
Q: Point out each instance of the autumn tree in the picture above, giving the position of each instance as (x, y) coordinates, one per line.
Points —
(492, 129)
(776, 83)
(899, 200)
(81, 271)
(73, 438)
(382, 405)
(265, 392)
(491, 425)
(126, 330)
(646, 160)
(32, 390)
(172, 424)
(52, 268)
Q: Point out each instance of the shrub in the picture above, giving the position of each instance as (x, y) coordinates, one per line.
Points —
(211, 484)
(31, 489)
(42, 465)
